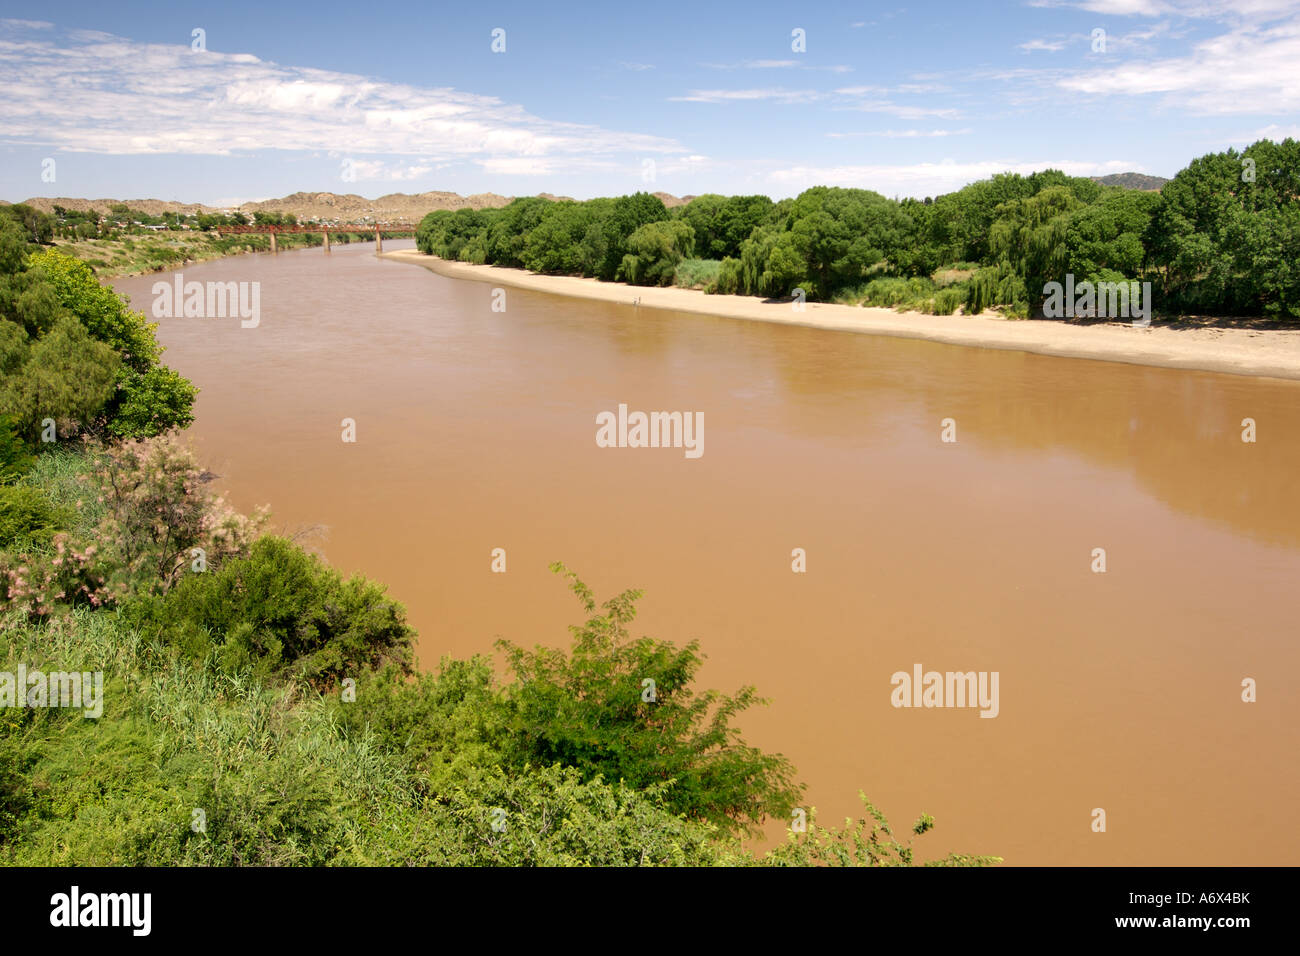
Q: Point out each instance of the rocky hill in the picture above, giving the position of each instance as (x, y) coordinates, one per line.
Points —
(348, 207)
(1132, 181)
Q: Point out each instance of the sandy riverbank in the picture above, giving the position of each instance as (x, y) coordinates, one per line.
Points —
(1238, 351)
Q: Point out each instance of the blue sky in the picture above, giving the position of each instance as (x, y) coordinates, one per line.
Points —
(907, 98)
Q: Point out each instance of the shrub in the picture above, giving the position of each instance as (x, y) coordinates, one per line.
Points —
(868, 841)
(729, 278)
(144, 509)
(586, 710)
(15, 461)
(28, 517)
(697, 273)
(280, 609)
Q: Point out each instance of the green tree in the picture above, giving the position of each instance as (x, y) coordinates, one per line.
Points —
(654, 251)
(1030, 235)
(68, 377)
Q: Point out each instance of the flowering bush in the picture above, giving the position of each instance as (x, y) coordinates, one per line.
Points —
(158, 520)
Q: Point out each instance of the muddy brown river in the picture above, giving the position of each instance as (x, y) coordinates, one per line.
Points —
(1118, 690)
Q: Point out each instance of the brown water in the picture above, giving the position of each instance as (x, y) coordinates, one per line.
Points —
(1122, 690)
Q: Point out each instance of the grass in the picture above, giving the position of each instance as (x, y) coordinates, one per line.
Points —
(961, 287)
(697, 273)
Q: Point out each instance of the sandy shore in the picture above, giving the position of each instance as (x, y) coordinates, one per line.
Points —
(1272, 353)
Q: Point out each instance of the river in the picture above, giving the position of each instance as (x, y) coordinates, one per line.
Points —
(1119, 691)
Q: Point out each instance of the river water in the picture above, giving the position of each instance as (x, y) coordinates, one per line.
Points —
(1119, 691)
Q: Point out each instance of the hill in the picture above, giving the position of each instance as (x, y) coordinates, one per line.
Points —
(347, 207)
(1132, 181)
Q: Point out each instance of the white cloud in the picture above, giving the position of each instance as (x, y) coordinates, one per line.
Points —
(1273, 131)
(903, 133)
(735, 96)
(516, 166)
(87, 91)
(929, 179)
(778, 65)
(1050, 45)
(1249, 69)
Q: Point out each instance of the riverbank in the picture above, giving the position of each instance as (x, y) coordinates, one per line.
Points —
(121, 257)
(1273, 353)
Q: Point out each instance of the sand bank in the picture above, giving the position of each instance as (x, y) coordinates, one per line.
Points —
(1238, 351)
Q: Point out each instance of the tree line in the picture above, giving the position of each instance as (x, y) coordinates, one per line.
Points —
(1222, 237)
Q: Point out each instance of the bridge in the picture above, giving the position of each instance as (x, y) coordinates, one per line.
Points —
(379, 229)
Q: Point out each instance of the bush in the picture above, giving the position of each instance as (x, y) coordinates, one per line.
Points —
(28, 517)
(280, 609)
(144, 509)
(697, 273)
(868, 841)
(586, 710)
(143, 397)
(15, 461)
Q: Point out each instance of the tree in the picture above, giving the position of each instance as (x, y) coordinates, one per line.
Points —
(616, 223)
(722, 223)
(654, 251)
(1108, 234)
(148, 398)
(68, 377)
(1030, 235)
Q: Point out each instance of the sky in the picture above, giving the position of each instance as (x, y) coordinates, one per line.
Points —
(238, 101)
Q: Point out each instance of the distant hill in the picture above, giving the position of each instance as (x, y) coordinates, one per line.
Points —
(348, 207)
(154, 207)
(1132, 181)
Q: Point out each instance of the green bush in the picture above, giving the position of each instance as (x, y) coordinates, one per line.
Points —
(15, 460)
(587, 710)
(697, 273)
(28, 517)
(279, 609)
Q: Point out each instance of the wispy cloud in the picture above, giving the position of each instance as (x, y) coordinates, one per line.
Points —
(902, 133)
(779, 65)
(1050, 45)
(776, 94)
(868, 99)
(1249, 69)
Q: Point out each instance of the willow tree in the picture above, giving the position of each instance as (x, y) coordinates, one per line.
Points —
(1030, 235)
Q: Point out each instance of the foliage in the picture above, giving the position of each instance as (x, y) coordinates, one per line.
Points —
(279, 608)
(697, 274)
(27, 517)
(654, 252)
(149, 510)
(15, 460)
(1211, 239)
(587, 709)
(72, 351)
(868, 841)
